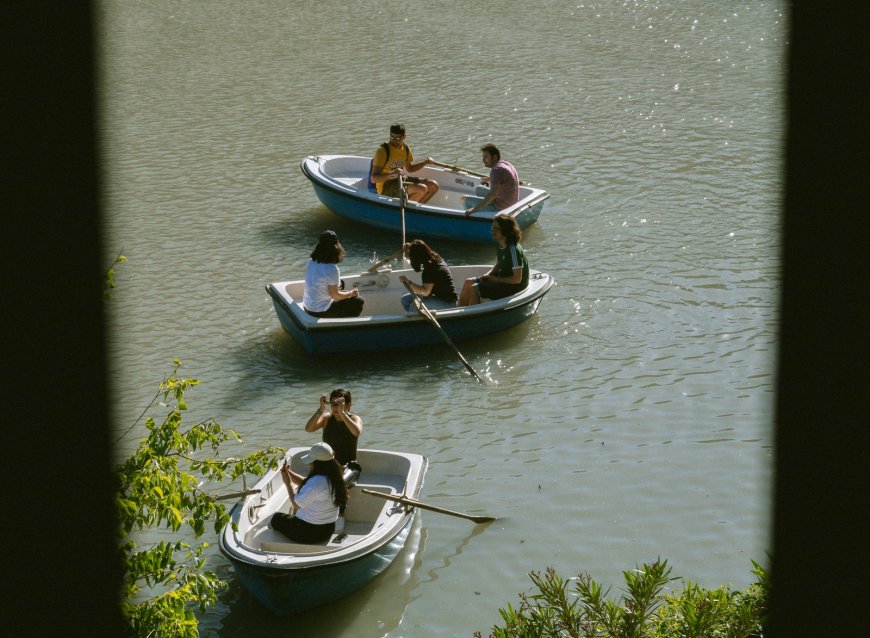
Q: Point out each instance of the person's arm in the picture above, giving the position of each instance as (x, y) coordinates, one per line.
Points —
(318, 420)
(516, 277)
(413, 168)
(494, 190)
(486, 201)
(424, 290)
(490, 196)
(338, 295)
(288, 478)
(352, 422)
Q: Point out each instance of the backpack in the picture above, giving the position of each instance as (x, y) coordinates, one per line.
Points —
(370, 184)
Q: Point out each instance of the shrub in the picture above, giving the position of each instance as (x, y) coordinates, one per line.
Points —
(643, 611)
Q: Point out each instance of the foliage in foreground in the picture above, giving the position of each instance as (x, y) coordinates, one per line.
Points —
(643, 611)
(158, 486)
(109, 276)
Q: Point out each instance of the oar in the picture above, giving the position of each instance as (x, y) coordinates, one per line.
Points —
(425, 506)
(402, 197)
(374, 268)
(423, 310)
(457, 169)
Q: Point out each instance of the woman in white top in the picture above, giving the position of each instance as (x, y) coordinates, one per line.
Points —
(317, 501)
(322, 297)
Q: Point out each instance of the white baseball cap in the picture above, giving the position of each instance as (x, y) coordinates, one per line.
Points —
(318, 452)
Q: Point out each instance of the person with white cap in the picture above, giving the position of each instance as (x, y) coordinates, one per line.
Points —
(322, 296)
(315, 505)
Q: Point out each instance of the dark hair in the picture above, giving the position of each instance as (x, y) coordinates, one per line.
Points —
(492, 149)
(397, 129)
(508, 227)
(333, 472)
(328, 249)
(420, 253)
(340, 392)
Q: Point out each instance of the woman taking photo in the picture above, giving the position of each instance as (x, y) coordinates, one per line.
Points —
(437, 288)
(510, 274)
(318, 500)
(322, 296)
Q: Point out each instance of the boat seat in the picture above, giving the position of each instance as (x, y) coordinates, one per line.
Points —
(287, 547)
(353, 531)
(361, 515)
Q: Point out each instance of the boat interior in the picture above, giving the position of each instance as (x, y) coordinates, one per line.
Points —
(453, 187)
(364, 514)
(383, 290)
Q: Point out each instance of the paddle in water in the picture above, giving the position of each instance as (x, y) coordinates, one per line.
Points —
(425, 506)
(423, 310)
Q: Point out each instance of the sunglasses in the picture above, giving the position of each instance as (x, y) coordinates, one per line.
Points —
(396, 138)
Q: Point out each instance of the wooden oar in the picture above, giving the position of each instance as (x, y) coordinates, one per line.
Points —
(374, 267)
(457, 169)
(425, 506)
(225, 497)
(423, 310)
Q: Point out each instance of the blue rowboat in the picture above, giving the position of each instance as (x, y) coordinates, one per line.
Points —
(288, 577)
(384, 323)
(341, 184)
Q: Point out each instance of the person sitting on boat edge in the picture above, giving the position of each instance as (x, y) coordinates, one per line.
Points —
(315, 506)
(322, 296)
(509, 275)
(503, 181)
(437, 289)
(395, 158)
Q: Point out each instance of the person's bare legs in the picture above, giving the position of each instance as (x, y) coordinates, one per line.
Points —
(431, 188)
(470, 295)
(415, 191)
(422, 191)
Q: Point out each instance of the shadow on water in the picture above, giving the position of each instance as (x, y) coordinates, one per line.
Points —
(448, 558)
(299, 233)
(383, 601)
(275, 361)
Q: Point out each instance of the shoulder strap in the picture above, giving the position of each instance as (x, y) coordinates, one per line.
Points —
(369, 183)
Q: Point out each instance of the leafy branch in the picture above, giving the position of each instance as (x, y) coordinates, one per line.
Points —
(160, 486)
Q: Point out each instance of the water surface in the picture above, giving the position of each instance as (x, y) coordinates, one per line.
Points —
(631, 419)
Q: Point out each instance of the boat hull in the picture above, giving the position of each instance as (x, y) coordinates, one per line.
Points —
(395, 329)
(286, 592)
(338, 182)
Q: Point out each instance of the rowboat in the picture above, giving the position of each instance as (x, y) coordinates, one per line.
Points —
(341, 184)
(287, 577)
(384, 323)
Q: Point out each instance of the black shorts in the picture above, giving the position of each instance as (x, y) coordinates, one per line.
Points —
(497, 290)
(350, 307)
(298, 530)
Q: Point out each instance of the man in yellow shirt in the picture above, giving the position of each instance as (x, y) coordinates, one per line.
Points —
(394, 159)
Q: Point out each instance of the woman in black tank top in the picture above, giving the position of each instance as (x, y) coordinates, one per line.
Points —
(341, 428)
